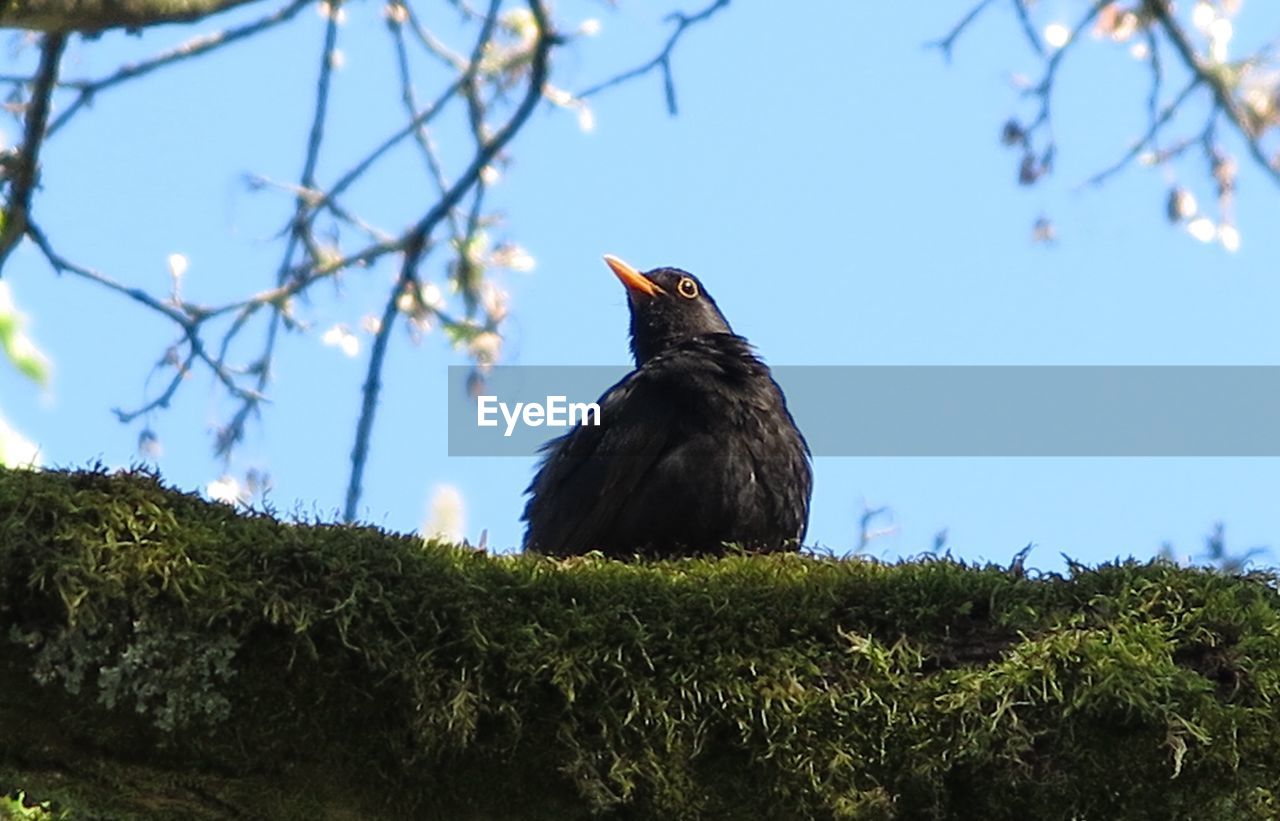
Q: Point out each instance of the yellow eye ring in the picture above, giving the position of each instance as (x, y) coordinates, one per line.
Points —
(687, 288)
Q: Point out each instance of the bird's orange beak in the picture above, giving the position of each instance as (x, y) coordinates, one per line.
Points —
(636, 282)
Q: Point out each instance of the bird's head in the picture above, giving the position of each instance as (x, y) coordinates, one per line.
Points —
(667, 306)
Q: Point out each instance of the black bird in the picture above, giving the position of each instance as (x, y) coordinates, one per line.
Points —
(695, 447)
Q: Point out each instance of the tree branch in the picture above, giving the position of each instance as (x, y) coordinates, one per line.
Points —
(417, 238)
(947, 44)
(195, 47)
(369, 392)
(663, 61)
(25, 167)
(97, 15)
(509, 57)
(1149, 139)
(1240, 92)
(1217, 79)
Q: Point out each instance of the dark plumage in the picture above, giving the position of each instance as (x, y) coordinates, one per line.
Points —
(695, 447)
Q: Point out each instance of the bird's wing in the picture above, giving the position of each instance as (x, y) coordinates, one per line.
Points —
(589, 473)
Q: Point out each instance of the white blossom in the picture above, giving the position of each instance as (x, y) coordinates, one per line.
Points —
(1057, 35)
(226, 489)
(446, 515)
(341, 337)
(1229, 236)
(1203, 229)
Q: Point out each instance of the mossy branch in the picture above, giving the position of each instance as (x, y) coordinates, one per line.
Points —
(165, 657)
(96, 15)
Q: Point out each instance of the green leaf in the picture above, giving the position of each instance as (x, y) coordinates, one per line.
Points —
(17, 346)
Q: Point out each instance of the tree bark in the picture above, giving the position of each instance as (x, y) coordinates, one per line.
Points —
(164, 657)
(98, 15)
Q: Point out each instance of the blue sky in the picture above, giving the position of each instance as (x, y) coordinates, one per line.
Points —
(836, 185)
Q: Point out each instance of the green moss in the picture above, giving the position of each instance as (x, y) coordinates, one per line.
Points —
(15, 808)
(161, 656)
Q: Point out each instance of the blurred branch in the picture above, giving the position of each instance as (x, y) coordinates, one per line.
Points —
(1244, 93)
(867, 532)
(1148, 140)
(493, 88)
(186, 317)
(88, 90)
(22, 167)
(430, 42)
(370, 391)
(1045, 89)
(233, 432)
(662, 61)
(1216, 554)
(1029, 28)
(64, 266)
(96, 15)
(947, 44)
(417, 238)
(1224, 84)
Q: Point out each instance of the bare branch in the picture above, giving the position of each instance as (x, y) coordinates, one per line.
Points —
(316, 136)
(204, 44)
(64, 266)
(947, 43)
(662, 62)
(24, 167)
(370, 392)
(433, 45)
(299, 233)
(1148, 140)
(187, 319)
(1217, 78)
(96, 15)
(417, 239)
(1029, 29)
(1045, 89)
(180, 373)
(1242, 93)
(510, 52)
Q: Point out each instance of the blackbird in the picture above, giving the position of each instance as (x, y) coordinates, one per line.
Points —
(695, 447)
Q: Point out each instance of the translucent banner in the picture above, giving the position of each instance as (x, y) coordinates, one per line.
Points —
(923, 410)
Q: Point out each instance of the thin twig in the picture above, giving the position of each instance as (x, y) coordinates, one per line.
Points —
(1157, 80)
(1029, 29)
(433, 45)
(482, 80)
(357, 171)
(663, 61)
(187, 321)
(64, 266)
(204, 44)
(180, 373)
(1045, 89)
(1148, 139)
(234, 429)
(416, 240)
(1215, 77)
(947, 43)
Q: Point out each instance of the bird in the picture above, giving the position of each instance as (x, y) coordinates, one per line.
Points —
(695, 449)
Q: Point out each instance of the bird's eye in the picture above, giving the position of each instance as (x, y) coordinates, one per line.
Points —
(687, 288)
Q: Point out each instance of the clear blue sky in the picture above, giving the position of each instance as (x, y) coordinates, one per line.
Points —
(839, 189)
